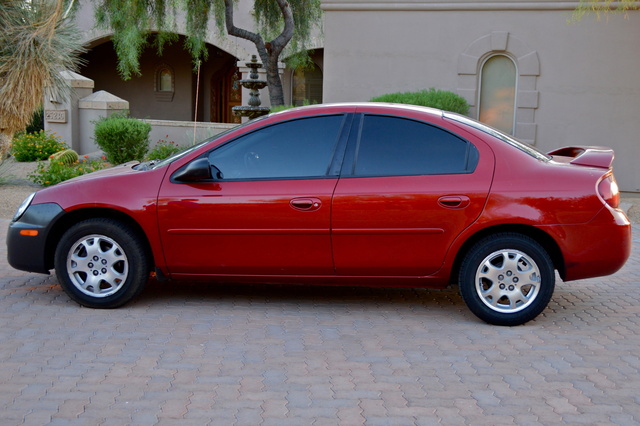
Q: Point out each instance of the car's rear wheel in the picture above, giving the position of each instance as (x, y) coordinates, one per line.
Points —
(507, 279)
(101, 263)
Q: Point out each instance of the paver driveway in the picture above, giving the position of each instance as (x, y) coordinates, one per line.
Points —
(249, 355)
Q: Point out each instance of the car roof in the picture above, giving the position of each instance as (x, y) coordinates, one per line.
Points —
(360, 107)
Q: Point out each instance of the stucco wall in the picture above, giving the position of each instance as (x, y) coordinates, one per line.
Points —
(586, 89)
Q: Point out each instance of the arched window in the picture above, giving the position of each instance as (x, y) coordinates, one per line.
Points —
(497, 103)
(307, 85)
(165, 80)
(164, 83)
(475, 65)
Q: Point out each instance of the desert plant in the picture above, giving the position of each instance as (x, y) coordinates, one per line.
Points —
(51, 172)
(122, 138)
(36, 146)
(441, 99)
(67, 156)
(163, 149)
(36, 42)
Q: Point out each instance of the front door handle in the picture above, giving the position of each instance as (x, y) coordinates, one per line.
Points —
(454, 201)
(306, 204)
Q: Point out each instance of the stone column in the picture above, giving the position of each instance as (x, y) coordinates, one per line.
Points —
(61, 115)
(92, 108)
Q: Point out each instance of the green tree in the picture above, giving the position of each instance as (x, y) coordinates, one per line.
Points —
(280, 25)
(36, 43)
(604, 7)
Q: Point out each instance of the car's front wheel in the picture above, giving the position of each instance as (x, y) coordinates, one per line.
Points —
(507, 279)
(101, 263)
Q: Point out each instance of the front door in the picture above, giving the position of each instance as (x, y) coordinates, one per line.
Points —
(268, 213)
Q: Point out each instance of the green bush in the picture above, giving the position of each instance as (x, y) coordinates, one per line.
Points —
(35, 146)
(163, 149)
(122, 138)
(37, 121)
(51, 172)
(441, 99)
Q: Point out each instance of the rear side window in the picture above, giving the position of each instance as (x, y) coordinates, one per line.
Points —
(294, 149)
(392, 146)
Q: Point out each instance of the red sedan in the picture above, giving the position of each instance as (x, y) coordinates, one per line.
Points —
(367, 194)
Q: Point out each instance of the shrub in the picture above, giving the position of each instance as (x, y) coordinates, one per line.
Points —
(122, 138)
(35, 146)
(163, 149)
(441, 99)
(37, 121)
(51, 172)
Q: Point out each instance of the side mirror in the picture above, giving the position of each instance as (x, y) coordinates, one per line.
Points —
(197, 170)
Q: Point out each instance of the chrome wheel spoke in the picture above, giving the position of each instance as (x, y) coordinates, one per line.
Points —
(507, 281)
(97, 265)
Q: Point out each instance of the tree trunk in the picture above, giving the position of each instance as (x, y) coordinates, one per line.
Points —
(269, 52)
(5, 143)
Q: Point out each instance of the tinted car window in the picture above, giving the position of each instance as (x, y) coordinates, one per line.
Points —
(391, 146)
(294, 149)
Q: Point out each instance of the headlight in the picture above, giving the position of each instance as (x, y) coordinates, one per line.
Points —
(23, 207)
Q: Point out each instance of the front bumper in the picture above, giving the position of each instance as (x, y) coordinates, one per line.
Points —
(29, 252)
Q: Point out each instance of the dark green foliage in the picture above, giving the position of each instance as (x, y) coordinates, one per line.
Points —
(441, 99)
(122, 138)
(37, 121)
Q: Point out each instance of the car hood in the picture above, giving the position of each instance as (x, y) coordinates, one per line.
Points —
(98, 174)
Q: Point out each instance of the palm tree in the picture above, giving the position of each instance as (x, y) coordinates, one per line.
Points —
(36, 43)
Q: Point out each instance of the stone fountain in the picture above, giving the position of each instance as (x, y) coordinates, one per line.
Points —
(253, 84)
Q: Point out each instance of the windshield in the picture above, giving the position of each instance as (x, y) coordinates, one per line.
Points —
(522, 146)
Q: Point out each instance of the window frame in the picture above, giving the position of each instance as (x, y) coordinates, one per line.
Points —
(350, 161)
(481, 73)
(164, 95)
(335, 161)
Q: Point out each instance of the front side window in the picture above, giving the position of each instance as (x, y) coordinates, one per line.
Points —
(498, 93)
(300, 148)
(392, 146)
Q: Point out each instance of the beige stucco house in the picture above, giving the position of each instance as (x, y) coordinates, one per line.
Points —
(521, 65)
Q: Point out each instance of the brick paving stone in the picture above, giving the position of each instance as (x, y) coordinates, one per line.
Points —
(202, 354)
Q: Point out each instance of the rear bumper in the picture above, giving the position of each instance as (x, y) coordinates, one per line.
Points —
(29, 252)
(597, 248)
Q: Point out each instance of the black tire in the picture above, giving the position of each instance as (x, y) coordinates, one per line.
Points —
(101, 263)
(507, 279)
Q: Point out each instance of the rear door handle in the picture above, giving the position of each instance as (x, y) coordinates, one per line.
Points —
(454, 201)
(306, 204)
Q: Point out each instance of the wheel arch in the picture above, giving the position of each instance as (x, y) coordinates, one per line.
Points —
(541, 237)
(75, 216)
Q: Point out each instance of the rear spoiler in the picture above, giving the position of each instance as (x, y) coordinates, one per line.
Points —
(591, 156)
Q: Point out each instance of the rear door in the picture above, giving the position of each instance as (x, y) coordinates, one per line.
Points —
(408, 189)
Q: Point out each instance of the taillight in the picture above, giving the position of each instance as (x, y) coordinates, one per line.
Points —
(608, 190)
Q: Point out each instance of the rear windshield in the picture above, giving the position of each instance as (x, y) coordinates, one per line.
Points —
(522, 146)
